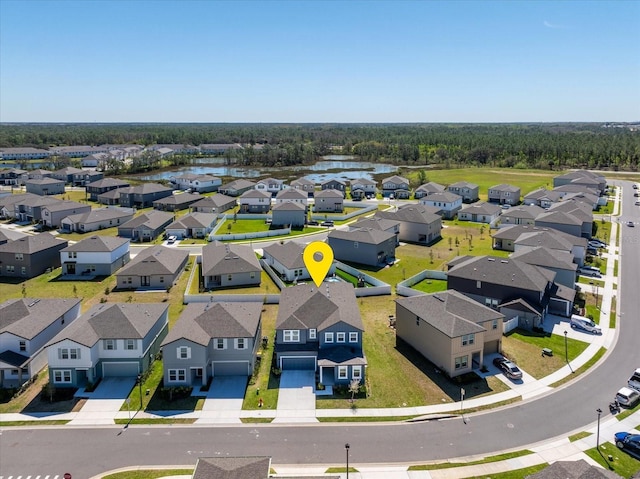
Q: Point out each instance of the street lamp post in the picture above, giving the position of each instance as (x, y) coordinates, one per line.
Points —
(566, 350)
(599, 411)
(346, 447)
(140, 389)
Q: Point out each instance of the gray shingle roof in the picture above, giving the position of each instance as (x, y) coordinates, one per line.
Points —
(514, 232)
(156, 260)
(214, 201)
(463, 184)
(151, 219)
(107, 183)
(220, 258)
(431, 187)
(255, 194)
(238, 185)
(558, 217)
(97, 244)
(289, 206)
(545, 257)
(450, 312)
(442, 197)
(377, 222)
(179, 199)
(194, 220)
(362, 235)
(480, 208)
(99, 214)
(308, 307)
(523, 211)
(328, 194)
(44, 181)
(291, 194)
(232, 468)
(146, 188)
(199, 322)
(27, 317)
(579, 469)
(505, 187)
(65, 206)
(506, 272)
(289, 254)
(33, 244)
(113, 321)
(412, 214)
(397, 180)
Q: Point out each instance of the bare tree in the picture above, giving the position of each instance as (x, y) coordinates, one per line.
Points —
(354, 387)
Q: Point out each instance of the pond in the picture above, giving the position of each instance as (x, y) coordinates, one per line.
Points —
(342, 167)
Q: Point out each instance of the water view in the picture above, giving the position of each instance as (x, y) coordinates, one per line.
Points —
(342, 167)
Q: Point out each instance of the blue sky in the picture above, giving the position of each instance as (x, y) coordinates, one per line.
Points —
(330, 61)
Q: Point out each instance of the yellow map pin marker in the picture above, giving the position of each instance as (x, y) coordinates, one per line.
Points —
(318, 258)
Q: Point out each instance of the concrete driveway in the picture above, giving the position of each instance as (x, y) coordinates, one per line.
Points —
(103, 404)
(224, 400)
(296, 399)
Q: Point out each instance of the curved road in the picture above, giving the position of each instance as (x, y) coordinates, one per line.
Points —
(90, 451)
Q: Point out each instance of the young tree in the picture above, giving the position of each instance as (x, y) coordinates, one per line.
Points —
(354, 387)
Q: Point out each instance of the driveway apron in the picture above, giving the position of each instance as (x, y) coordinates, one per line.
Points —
(296, 399)
(224, 400)
(103, 403)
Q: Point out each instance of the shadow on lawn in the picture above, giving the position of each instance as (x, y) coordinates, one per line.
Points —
(172, 399)
(473, 384)
(60, 400)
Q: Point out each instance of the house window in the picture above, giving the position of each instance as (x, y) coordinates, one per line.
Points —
(128, 281)
(494, 325)
(461, 362)
(343, 372)
(23, 345)
(63, 353)
(19, 256)
(229, 277)
(74, 353)
(291, 336)
(341, 337)
(353, 337)
(468, 339)
(73, 254)
(356, 372)
(478, 284)
(241, 343)
(62, 376)
(184, 352)
(220, 343)
(10, 268)
(23, 270)
(178, 375)
(130, 344)
(312, 334)
(110, 344)
(162, 279)
(328, 337)
(252, 275)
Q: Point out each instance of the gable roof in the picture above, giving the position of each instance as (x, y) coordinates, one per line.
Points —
(194, 220)
(330, 193)
(291, 194)
(289, 254)
(255, 194)
(145, 189)
(376, 222)
(27, 317)
(523, 211)
(223, 258)
(199, 322)
(450, 312)
(308, 307)
(33, 244)
(238, 185)
(151, 219)
(546, 257)
(505, 187)
(99, 214)
(412, 214)
(362, 235)
(232, 467)
(480, 208)
(518, 232)
(97, 244)
(506, 272)
(155, 260)
(579, 469)
(302, 182)
(65, 205)
(463, 184)
(362, 181)
(113, 321)
(442, 196)
(397, 180)
(558, 217)
(215, 201)
(44, 181)
(289, 206)
(431, 187)
(179, 199)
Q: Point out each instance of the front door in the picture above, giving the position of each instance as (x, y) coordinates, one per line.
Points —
(71, 268)
(145, 280)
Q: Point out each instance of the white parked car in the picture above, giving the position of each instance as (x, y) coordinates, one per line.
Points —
(172, 239)
(627, 397)
(589, 271)
(580, 322)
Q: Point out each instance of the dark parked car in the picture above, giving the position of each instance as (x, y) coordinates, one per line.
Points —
(508, 368)
(629, 443)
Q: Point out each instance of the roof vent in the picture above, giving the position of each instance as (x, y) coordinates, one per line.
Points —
(504, 261)
(491, 259)
(36, 301)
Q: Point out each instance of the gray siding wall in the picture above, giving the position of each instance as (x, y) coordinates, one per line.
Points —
(570, 229)
(293, 218)
(198, 359)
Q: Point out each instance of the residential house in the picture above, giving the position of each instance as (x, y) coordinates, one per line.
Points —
(560, 221)
(292, 195)
(583, 178)
(26, 326)
(236, 468)
(428, 189)
(156, 267)
(97, 219)
(12, 176)
(212, 339)
(320, 329)
(53, 214)
(30, 256)
(192, 225)
(29, 207)
(495, 282)
(367, 246)
(147, 226)
(8, 202)
(77, 151)
(480, 212)
(577, 208)
(143, 196)
(328, 201)
(236, 187)
(94, 256)
(109, 340)
(468, 191)
(111, 197)
(271, 185)
(66, 174)
(305, 185)
(218, 148)
(7, 235)
(521, 215)
(336, 185)
(558, 261)
(504, 194)
(38, 174)
(286, 259)
(24, 153)
(85, 177)
(542, 198)
(97, 188)
(95, 160)
(380, 223)
(177, 202)
(289, 213)
(452, 331)
(363, 188)
(45, 186)
(214, 204)
(174, 148)
(255, 201)
(228, 265)
(573, 469)
(197, 183)
(396, 187)
(446, 204)
(418, 223)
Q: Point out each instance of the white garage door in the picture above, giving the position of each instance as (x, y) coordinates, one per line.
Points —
(120, 369)
(236, 368)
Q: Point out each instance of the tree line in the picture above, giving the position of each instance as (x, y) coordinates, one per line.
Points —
(536, 145)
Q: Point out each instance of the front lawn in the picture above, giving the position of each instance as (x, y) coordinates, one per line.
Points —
(623, 464)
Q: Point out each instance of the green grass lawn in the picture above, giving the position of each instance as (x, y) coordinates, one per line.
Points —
(515, 474)
(486, 460)
(622, 464)
(431, 285)
(524, 348)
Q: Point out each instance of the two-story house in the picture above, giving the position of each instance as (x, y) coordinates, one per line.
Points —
(271, 185)
(427, 189)
(212, 339)
(363, 188)
(97, 188)
(328, 201)
(45, 186)
(195, 182)
(30, 256)
(305, 185)
(255, 201)
(292, 195)
(446, 204)
(504, 194)
(320, 329)
(95, 256)
(396, 187)
(334, 184)
(468, 191)
(143, 196)
(368, 246)
(418, 223)
(52, 215)
(109, 340)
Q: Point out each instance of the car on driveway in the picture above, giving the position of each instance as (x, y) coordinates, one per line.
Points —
(580, 322)
(508, 368)
(172, 239)
(589, 271)
(629, 443)
(594, 243)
